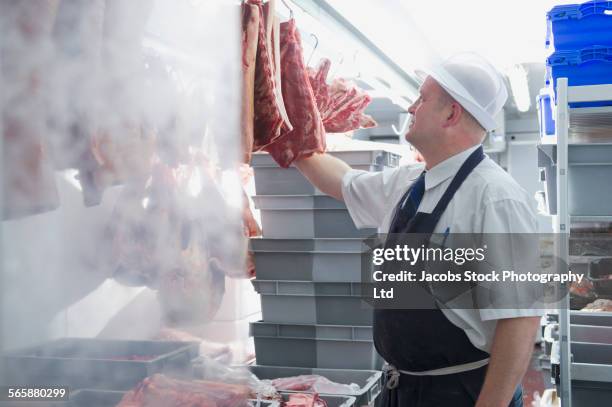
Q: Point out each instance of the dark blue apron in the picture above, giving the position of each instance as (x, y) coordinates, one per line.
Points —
(424, 339)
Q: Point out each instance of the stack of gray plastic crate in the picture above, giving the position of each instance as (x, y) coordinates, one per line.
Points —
(309, 265)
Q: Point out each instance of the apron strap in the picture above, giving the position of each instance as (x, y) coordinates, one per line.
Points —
(393, 374)
(472, 162)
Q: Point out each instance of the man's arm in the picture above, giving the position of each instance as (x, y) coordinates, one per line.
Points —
(510, 356)
(325, 172)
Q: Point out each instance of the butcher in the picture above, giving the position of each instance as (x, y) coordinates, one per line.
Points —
(444, 357)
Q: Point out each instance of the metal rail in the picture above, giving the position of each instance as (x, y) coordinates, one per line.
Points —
(563, 228)
(324, 7)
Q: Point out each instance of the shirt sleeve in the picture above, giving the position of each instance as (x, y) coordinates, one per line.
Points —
(367, 195)
(362, 192)
(509, 229)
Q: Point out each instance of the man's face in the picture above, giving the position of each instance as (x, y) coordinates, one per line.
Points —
(427, 114)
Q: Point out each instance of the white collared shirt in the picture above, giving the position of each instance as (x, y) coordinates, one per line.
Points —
(488, 201)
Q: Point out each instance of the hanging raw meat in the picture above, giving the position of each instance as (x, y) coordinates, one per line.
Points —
(27, 176)
(251, 229)
(123, 153)
(341, 104)
(308, 134)
(77, 37)
(145, 236)
(28, 180)
(250, 35)
(191, 291)
(269, 118)
(163, 236)
(348, 104)
(273, 38)
(320, 88)
(118, 147)
(249, 223)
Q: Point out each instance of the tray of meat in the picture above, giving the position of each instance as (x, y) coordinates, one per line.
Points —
(316, 400)
(111, 398)
(97, 363)
(161, 391)
(364, 385)
(600, 273)
(600, 305)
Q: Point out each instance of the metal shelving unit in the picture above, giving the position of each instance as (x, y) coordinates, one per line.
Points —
(574, 123)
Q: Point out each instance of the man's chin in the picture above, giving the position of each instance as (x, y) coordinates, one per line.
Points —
(409, 137)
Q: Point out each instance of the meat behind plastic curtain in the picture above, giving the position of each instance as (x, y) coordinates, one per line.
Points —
(27, 175)
(94, 113)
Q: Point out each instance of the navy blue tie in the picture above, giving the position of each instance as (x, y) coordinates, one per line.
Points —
(409, 205)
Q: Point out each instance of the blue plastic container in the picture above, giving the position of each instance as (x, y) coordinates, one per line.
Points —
(575, 26)
(587, 66)
(545, 116)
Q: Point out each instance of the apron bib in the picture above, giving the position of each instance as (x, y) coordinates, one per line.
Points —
(419, 340)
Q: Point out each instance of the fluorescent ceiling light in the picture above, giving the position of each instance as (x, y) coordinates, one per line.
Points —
(520, 87)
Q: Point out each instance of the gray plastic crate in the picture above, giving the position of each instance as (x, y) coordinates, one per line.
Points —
(290, 181)
(591, 374)
(369, 381)
(317, 260)
(591, 318)
(330, 401)
(306, 216)
(310, 245)
(305, 302)
(591, 334)
(584, 318)
(589, 174)
(352, 158)
(320, 346)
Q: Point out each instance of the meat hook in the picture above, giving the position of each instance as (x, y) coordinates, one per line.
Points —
(313, 48)
(290, 9)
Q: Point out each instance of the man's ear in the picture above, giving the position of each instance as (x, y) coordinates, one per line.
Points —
(454, 115)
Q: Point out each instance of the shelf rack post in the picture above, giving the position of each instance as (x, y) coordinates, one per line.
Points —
(563, 226)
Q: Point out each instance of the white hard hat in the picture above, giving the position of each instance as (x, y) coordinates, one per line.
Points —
(474, 83)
